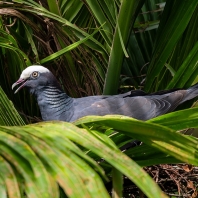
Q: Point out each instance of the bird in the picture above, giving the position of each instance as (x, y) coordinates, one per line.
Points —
(55, 104)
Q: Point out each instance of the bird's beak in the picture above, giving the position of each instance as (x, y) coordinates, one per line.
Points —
(20, 81)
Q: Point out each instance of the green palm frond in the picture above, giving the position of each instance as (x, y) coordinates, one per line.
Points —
(43, 156)
(94, 47)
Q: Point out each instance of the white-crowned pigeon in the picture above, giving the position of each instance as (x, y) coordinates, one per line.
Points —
(55, 104)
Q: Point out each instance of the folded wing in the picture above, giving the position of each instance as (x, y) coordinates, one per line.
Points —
(139, 107)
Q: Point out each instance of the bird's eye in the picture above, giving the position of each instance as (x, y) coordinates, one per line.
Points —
(35, 74)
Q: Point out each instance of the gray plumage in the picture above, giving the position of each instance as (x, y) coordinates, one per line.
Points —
(55, 104)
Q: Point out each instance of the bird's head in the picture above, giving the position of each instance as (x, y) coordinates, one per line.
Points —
(34, 77)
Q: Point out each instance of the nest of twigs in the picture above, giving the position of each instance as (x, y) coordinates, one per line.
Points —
(180, 180)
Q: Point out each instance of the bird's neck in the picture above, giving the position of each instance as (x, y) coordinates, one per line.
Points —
(54, 104)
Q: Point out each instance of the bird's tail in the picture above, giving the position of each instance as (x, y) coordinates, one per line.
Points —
(192, 92)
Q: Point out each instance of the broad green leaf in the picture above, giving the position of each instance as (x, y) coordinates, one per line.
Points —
(65, 167)
(113, 156)
(117, 180)
(178, 120)
(3, 193)
(117, 54)
(18, 153)
(160, 137)
(10, 179)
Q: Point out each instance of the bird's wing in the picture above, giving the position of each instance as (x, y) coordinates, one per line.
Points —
(139, 107)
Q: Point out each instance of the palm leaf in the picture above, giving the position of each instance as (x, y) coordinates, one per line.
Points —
(59, 159)
(8, 114)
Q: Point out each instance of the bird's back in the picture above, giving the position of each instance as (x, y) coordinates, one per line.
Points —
(142, 107)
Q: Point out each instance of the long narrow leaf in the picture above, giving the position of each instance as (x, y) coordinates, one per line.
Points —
(8, 114)
(163, 138)
(171, 30)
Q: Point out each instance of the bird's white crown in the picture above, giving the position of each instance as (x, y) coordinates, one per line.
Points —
(28, 71)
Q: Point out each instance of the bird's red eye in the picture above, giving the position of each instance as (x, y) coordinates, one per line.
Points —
(35, 74)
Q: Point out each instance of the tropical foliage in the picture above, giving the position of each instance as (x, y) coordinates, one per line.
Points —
(94, 47)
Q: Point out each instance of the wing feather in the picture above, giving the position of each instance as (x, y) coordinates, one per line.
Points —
(139, 107)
